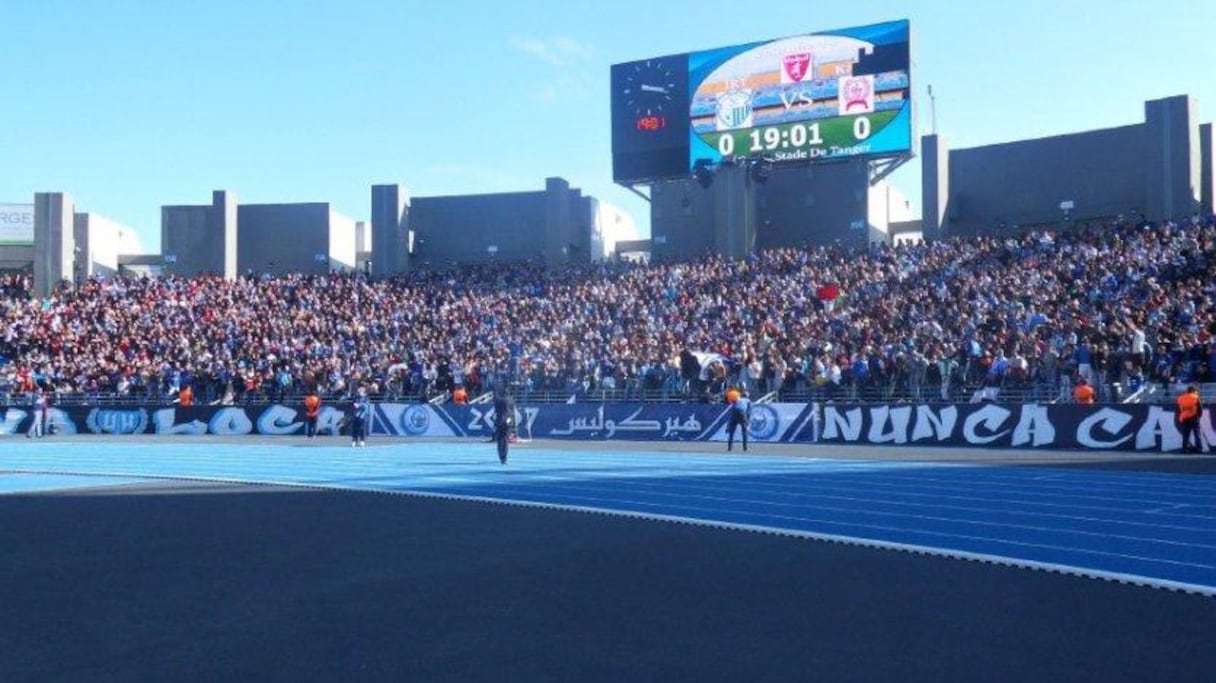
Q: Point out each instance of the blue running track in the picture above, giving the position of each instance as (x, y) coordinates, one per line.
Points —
(1147, 528)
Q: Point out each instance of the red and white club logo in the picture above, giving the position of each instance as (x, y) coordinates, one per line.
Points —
(795, 67)
(857, 94)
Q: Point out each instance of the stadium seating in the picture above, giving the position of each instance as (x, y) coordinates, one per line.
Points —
(1020, 317)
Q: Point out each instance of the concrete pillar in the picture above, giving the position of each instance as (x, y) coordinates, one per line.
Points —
(54, 240)
(390, 230)
(557, 221)
(1207, 170)
(224, 206)
(1172, 169)
(935, 187)
(735, 212)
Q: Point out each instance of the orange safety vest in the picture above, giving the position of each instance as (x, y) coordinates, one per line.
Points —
(460, 396)
(185, 398)
(1083, 393)
(1188, 406)
(732, 395)
(312, 405)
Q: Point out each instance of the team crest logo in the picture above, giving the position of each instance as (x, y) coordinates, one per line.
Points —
(796, 67)
(856, 94)
(100, 421)
(416, 420)
(764, 422)
(734, 110)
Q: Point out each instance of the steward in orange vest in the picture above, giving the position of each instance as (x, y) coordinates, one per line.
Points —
(1189, 411)
(1083, 393)
(312, 410)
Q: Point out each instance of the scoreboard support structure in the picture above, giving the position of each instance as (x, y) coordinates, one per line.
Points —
(881, 168)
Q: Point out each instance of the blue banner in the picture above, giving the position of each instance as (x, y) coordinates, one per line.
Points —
(604, 422)
(992, 425)
(988, 425)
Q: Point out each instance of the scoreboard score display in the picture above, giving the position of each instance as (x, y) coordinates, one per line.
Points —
(806, 98)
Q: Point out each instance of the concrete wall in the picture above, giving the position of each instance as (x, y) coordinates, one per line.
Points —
(1153, 169)
(681, 220)
(1023, 183)
(612, 225)
(343, 242)
(815, 205)
(477, 228)
(99, 244)
(284, 238)
(794, 207)
(552, 226)
(20, 259)
(201, 239)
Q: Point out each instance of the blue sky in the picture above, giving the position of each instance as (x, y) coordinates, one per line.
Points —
(131, 105)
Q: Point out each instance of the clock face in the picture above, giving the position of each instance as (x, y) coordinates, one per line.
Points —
(650, 88)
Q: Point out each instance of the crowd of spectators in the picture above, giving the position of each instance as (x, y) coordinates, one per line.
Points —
(1118, 304)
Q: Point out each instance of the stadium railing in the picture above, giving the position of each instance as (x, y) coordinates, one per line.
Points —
(863, 394)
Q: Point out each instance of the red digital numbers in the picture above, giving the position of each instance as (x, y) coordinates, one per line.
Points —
(651, 123)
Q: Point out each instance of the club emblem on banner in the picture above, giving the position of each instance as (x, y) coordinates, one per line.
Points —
(734, 110)
(416, 420)
(857, 94)
(764, 422)
(796, 67)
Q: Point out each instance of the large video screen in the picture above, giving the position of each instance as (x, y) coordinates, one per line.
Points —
(814, 97)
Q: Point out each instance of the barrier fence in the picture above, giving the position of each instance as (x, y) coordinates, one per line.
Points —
(1131, 427)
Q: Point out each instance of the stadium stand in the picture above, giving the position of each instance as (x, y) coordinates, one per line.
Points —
(1130, 307)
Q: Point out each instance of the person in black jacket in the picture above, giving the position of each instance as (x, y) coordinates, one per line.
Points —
(504, 418)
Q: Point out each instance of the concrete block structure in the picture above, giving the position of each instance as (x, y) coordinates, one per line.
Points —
(201, 239)
(1152, 170)
(553, 226)
(739, 210)
(294, 238)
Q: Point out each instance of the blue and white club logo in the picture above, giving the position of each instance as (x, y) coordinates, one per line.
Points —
(416, 420)
(764, 422)
(734, 110)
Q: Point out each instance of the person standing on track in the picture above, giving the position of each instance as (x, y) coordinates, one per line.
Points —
(312, 410)
(1190, 409)
(361, 412)
(740, 416)
(38, 409)
(504, 415)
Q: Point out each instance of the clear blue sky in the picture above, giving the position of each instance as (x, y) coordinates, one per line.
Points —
(130, 105)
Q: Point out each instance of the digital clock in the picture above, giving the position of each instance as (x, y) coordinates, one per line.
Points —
(651, 123)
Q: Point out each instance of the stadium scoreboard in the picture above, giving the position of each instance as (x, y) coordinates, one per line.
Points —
(806, 98)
